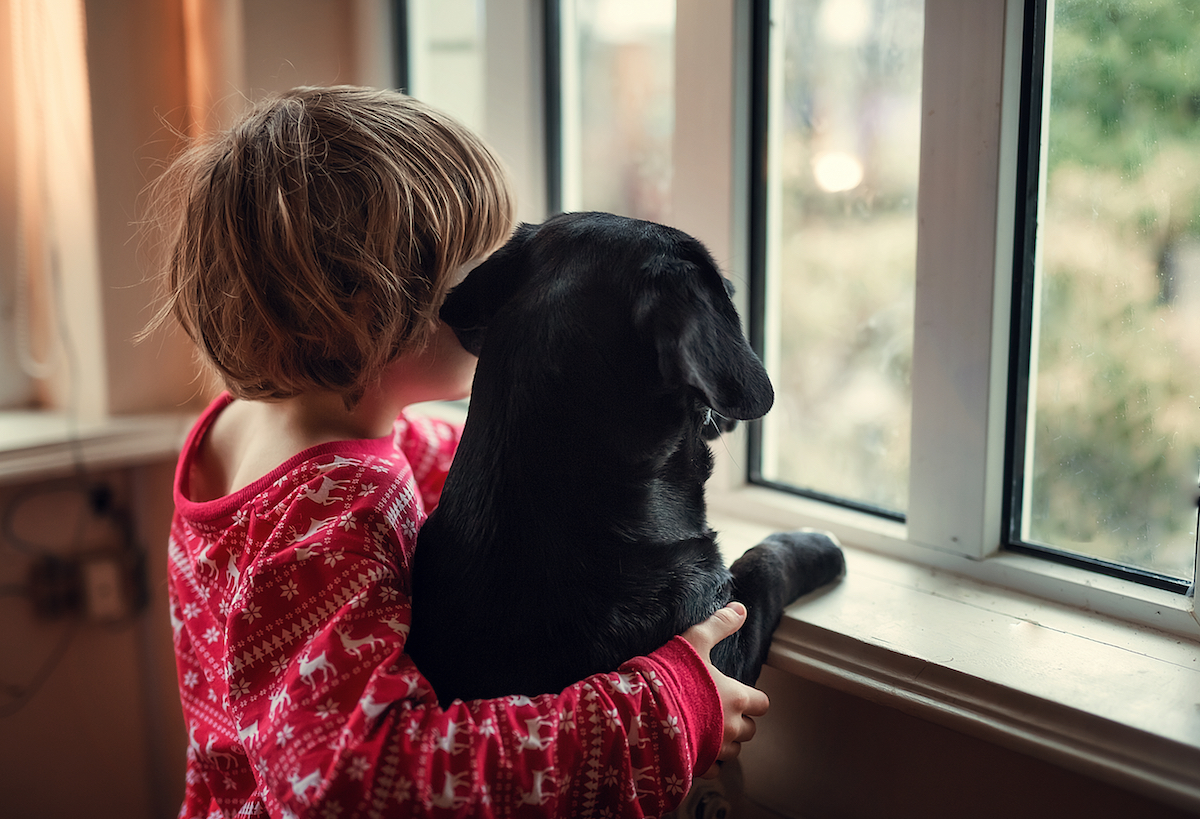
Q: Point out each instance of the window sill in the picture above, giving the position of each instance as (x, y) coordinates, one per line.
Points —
(1089, 693)
(35, 445)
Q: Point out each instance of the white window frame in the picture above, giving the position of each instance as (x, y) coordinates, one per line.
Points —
(934, 618)
(966, 205)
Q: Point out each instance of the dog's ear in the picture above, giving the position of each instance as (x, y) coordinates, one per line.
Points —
(698, 336)
(470, 306)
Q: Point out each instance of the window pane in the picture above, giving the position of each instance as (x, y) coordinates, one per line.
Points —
(1115, 384)
(618, 87)
(844, 126)
(446, 57)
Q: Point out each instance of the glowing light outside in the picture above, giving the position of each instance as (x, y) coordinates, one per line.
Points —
(837, 171)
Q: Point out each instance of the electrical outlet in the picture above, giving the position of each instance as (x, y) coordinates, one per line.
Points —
(105, 587)
(106, 596)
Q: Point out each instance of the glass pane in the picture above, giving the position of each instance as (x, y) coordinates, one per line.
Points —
(844, 126)
(446, 57)
(1115, 390)
(618, 81)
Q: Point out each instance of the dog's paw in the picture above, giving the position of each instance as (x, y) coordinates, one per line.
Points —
(815, 556)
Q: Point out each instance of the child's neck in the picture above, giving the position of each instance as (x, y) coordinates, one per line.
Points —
(323, 417)
(251, 438)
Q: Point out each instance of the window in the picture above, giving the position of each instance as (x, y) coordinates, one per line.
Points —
(616, 98)
(445, 56)
(843, 130)
(865, 167)
(1112, 438)
(935, 398)
(51, 341)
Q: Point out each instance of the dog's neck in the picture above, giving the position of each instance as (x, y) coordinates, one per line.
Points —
(610, 483)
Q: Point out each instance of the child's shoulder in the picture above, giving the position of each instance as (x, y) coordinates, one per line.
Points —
(236, 452)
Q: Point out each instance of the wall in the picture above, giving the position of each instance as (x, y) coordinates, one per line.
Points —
(821, 753)
(100, 733)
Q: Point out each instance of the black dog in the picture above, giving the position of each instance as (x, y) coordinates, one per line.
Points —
(571, 534)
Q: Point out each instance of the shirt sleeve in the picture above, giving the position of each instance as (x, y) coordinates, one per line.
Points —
(333, 716)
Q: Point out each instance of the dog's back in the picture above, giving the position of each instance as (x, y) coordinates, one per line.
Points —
(571, 533)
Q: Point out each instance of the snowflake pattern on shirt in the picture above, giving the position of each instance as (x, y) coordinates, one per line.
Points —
(289, 603)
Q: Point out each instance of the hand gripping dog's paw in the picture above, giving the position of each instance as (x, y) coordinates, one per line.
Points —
(783, 567)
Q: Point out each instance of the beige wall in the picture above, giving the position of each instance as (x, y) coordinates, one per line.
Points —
(102, 736)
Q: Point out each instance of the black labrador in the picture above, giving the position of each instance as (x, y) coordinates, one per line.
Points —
(571, 534)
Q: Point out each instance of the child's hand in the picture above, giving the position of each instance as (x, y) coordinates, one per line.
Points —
(740, 703)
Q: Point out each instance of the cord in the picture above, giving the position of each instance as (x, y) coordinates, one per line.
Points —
(22, 694)
(98, 503)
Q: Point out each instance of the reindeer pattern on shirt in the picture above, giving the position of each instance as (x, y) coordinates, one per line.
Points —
(290, 609)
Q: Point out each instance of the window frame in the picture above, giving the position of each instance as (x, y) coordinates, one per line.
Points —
(1031, 176)
(970, 190)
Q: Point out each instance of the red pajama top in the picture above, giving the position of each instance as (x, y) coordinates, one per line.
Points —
(289, 601)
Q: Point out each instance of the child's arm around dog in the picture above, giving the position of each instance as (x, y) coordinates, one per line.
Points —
(309, 249)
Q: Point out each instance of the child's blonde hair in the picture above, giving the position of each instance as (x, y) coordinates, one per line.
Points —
(312, 243)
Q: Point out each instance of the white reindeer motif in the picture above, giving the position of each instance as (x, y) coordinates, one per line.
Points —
(396, 626)
(626, 684)
(278, 700)
(309, 666)
(321, 493)
(449, 743)
(337, 461)
(372, 708)
(314, 525)
(533, 739)
(641, 775)
(206, 559)
(249, 732)
(208, 750)
(636, 739)
(218, 757)
(538, 796)
(355, 646)
(300, 785)
(447, 799)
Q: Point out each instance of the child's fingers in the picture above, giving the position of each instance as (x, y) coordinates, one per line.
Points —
(703, 636)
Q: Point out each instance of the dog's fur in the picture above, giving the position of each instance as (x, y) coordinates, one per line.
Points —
(571, 534)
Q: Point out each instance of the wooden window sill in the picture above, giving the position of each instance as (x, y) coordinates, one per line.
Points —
(1089, 693)
(35, 445)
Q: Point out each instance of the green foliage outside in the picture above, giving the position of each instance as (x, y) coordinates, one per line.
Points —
(1117, 436)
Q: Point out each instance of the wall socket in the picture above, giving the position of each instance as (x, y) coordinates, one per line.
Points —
(105, 586)
(107, 591)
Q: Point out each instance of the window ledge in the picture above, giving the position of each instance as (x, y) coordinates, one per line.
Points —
(36, 445)
(1092, 694)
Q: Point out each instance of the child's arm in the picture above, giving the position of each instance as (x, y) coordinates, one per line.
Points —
(331, 711)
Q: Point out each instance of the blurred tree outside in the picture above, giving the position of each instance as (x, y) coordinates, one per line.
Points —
(1117, 425)
(848, 123)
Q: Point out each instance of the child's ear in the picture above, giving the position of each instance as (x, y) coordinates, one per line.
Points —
(471, 305)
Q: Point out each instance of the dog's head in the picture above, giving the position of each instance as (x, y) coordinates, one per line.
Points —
(647, 291)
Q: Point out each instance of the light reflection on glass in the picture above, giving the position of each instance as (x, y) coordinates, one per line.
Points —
(842, 190)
